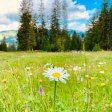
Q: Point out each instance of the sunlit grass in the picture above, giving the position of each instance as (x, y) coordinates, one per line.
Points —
(19, 87)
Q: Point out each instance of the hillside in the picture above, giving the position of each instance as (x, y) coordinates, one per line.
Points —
(9, 35)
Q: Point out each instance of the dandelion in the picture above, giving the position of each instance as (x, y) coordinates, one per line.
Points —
(4, 80)
(46, 94)
(92, 78)
(56, 74)
(26, 110)
(103, 84)
(18, 101)
(111, 105)
(40, 81)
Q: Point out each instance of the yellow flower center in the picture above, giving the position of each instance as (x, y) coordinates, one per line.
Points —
(56, 75)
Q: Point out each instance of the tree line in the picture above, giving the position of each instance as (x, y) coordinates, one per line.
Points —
(34, 33)
(99, 35)
(5, 47)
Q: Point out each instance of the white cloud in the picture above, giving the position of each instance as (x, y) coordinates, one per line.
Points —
(4, 20)
(76, 12)
(77, 26)
(7, 6)
(12, 26)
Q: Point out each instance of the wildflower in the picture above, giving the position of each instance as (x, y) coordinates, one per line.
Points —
(41, 90)
(103, 84)
(48, 64)
(56, 74)
(40, 81)
(30, 74)
(26, 110)
(75, 68)
(111, 105)
(101, 63)
(102, 72)
(92, 78)
(87, 76)
(27, 68)
(79, 77)
(4, 80)
(18, 101)
(46, 94)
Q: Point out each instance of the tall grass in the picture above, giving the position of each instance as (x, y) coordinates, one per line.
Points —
(87, 90)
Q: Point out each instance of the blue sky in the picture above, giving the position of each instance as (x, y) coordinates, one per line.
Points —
(90, 4)
(80, 13)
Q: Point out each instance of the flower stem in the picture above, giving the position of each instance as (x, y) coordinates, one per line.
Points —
(54, 95)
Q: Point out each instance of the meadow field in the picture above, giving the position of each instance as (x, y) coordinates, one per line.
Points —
(88, 88)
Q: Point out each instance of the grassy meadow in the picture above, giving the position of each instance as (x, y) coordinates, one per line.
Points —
(88, 89)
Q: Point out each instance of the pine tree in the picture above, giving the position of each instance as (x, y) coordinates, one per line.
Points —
(55, 25)
(26, 37)
(75, 42)
(66, 40)
(110, 29)
(3, 45)
(103, 19)
(42, 31)
(64, 14)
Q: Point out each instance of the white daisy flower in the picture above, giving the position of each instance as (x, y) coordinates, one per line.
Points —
(75, 68)
(102, 72)
(57, 74)
(27, 68)
(101, 63)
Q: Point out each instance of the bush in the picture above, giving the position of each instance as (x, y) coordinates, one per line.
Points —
(96, 48)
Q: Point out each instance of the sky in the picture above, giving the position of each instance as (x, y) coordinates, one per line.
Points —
(80, 13)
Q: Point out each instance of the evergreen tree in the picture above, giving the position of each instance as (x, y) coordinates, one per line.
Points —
(99, 33)
(66, 41)
(64, 14)
(110, 29)
(42, 31)
(75, 42)
(55, 25)
(31, 37)
(26, 36)
(12, 47)
(3, 45)
(103, 20)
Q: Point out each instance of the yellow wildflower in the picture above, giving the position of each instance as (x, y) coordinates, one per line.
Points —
(4, 80)
(40, 81)
(103, 84)
(111, 105)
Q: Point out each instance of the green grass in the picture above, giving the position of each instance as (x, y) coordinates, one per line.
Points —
(87, 90)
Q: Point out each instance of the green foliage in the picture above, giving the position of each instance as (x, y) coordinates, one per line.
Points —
(31, 38)
(100, 29)
(19, 86)
(12, 47)
(26, 33)
(44, 44)
(3, 45)
(75, 42)
(96, 48)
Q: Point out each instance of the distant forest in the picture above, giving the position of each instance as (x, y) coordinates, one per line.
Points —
(33, 35)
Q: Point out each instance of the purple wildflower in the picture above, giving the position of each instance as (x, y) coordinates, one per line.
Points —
(40, 90)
